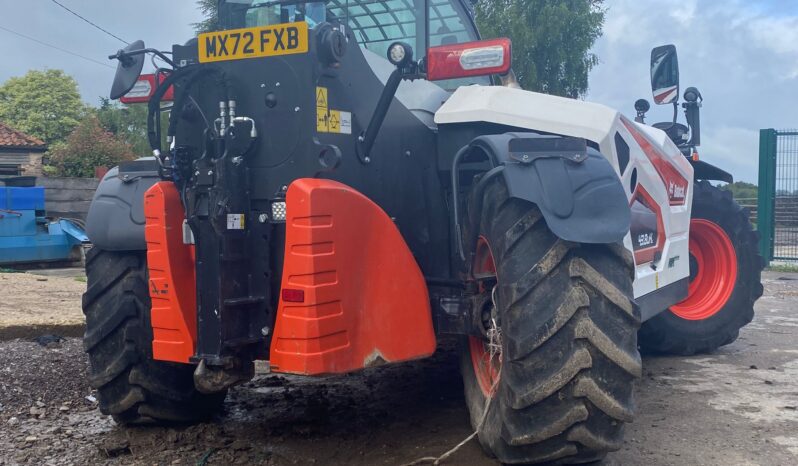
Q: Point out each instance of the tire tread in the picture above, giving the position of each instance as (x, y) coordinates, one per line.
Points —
(132, 387)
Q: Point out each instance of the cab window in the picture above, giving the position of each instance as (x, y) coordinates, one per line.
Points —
(375, 24)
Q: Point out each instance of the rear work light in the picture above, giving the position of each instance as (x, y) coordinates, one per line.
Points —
(144, 89)
(479, 58)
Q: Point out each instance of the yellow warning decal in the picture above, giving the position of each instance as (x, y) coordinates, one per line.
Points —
(335, 121)
(321, 97)
(322, 120)
(330, 121)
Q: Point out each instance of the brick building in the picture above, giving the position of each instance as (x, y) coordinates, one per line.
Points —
(20, 154)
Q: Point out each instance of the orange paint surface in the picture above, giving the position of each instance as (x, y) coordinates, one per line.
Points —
(172, 276)
(365, 298)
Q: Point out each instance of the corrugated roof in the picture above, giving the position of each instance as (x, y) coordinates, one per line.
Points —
(12, 138)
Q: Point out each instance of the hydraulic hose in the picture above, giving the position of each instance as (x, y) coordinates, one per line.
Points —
(154, 106)
(192, 74)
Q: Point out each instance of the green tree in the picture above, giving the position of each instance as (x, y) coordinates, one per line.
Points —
(88, 147)
(126, 122)
(743, 190)
(210, 10)
(551, 40)
(45, 104)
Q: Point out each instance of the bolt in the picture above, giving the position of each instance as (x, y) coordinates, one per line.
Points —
(210, 172)
(263, 85)
(284, 188)
(296, 109)
(196, 173)
(407, 153)
(277, 84)
(265, 331)
(263, 218)
(367, 159)
(525, 158)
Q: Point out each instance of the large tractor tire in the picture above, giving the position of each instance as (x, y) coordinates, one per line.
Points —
(132, 387)
(562, 387)
(725, 280)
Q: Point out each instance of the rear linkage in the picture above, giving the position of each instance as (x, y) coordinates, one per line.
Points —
(214, 190)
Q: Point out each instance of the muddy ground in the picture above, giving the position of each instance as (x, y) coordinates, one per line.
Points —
(738, 406)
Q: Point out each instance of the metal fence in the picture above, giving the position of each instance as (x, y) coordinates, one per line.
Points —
(749, 203)
(778, 194)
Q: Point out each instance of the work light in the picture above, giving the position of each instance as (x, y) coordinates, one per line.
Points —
(400, 54)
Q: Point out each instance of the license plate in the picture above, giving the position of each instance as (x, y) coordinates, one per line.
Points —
(258, 42)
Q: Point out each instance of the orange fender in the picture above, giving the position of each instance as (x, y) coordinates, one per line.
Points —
(173, 284)
(352, 294)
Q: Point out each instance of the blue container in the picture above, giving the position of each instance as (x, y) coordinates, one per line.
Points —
(22, 198)
(27, 237)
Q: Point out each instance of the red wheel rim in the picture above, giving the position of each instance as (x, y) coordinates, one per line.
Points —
(712, 283)
(486, 368)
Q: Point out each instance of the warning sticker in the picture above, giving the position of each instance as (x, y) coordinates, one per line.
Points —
(346, 122)
(235, 221)
(322, 120)
(330, 121)
(321, 97)
(335, 121)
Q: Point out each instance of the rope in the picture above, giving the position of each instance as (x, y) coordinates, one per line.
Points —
(495, 349)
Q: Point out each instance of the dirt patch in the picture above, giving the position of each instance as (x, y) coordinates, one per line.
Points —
(737, 406)
(32, 305)
(387, 415)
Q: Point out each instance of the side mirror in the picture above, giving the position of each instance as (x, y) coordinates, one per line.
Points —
(128, 70)
(665, 75)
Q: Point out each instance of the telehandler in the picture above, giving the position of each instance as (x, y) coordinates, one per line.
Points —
(347, 182)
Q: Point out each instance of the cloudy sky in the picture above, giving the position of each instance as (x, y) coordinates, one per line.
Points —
(741, 54)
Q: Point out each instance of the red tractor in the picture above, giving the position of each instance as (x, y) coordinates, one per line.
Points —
(347, 182)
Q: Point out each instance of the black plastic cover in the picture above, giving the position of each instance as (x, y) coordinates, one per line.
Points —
(709, 172)
(582, 201)
(116, 217)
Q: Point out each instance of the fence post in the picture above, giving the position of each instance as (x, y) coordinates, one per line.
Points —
(767, 192)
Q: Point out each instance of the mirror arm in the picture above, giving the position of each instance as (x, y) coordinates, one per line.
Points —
(693, 113)
(124, 57)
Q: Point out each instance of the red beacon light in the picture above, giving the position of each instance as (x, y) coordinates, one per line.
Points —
(144, 89)
(478, 58)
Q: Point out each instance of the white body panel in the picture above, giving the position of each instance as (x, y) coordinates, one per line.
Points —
(598, 124)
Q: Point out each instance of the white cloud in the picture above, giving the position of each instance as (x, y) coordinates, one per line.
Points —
(742, 55)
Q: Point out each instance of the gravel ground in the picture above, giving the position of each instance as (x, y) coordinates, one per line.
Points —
(738, 406)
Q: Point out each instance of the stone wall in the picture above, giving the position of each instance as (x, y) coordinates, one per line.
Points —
(68, 197)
